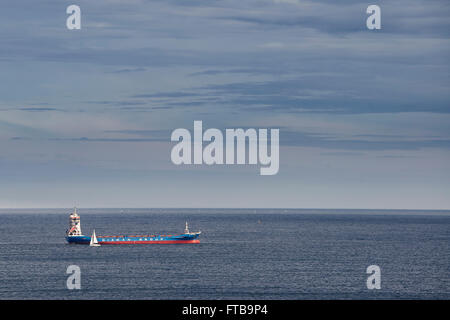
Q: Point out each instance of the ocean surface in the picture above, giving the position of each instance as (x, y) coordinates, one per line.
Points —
(243, 254)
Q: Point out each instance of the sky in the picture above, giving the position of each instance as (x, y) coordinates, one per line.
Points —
(86, 115)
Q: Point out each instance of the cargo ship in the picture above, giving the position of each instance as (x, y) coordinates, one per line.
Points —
(74, 236)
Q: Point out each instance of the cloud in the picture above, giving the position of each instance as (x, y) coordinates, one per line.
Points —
(287, 1)
(250, 71)
(152, 133)
(35, 109)
(86, 139)
(343, 154)
(128, 70)
(20, 138)
(290, 137)
(174, 94)
(334, 93)
(324, 141)
(346, 17)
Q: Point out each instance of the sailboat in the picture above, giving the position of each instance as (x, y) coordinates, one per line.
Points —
(94, 242)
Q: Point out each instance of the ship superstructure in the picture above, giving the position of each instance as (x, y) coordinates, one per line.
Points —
(74, 224)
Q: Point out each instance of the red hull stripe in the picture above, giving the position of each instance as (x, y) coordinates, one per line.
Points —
(149, 242)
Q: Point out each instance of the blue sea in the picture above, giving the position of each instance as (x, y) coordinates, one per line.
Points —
(243, 254)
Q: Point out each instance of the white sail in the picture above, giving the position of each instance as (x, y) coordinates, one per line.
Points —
(94, 242)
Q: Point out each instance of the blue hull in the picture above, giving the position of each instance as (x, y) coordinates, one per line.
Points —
(184, 238)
